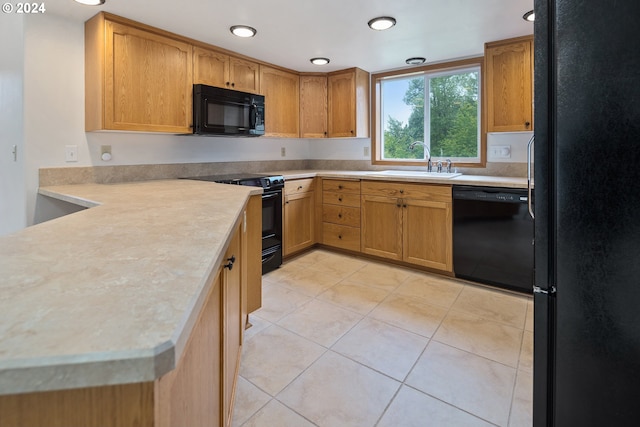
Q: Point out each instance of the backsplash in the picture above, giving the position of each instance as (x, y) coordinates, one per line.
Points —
(129, 173)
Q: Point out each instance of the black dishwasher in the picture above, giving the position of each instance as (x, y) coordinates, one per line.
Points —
(493, 237)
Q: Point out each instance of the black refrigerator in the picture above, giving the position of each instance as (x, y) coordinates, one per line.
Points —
(587, 213)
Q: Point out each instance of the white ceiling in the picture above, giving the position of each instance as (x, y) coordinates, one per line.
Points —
(290, 32)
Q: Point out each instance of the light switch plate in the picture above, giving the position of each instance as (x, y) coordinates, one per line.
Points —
(70, 153)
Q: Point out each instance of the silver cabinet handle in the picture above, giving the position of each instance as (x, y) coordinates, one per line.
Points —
(529, 201)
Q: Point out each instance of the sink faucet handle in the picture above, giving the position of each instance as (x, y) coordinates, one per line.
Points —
(439, 164)
(449, 163)
(429, 165)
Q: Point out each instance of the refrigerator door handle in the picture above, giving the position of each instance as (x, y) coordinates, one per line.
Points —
(539, 290)
(530, 201)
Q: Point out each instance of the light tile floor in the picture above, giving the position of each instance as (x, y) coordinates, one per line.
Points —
(344, 341)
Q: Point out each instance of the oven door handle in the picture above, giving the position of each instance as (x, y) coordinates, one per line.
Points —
(270, 196)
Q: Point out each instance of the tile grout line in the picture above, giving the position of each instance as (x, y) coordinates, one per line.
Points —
(390, 293)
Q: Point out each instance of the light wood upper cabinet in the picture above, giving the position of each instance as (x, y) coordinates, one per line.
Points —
(221, 70)
(509, 85)
(281, 90)
(348, 97)
(313, 106)
(136, 79)
(140, 78)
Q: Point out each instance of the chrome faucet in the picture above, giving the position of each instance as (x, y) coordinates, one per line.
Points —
(449, 163)
(426, 147)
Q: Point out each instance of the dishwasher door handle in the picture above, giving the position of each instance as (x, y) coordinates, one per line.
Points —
(529, 201)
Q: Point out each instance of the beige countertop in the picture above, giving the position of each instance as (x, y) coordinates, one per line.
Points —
(475, 180)
(110, 294)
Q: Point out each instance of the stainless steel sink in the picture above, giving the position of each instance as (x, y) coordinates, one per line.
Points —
(414, 174)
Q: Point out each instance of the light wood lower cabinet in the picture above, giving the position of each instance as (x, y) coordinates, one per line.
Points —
(232, 325)
(408, 222)
(382, 226)
(198, 392)
(252, 268)
(341, 213)
(299, 215)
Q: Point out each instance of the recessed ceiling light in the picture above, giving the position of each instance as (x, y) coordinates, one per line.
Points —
(91, 2)
(529, 16)
(319, 61)
(243, 31)
(382, 23)
(416, 60)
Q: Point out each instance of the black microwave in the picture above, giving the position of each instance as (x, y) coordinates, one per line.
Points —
(226, 112)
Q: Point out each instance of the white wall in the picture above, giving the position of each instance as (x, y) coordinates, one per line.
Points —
(516, 141)
(13, 210)
(54, 117)
(53, 77)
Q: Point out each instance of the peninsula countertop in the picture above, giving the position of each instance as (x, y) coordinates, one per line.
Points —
(110, 294)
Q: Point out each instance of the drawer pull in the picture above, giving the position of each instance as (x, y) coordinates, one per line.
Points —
(340, 187)
(339, 199)
(339, 215)
(299, 187)
(401, 191)
(340, 236)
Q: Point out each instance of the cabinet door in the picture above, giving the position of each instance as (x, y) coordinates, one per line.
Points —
(244, 75)
(381, 232)
(426, 231)
(191, 394)
(210, 67)
(282, 100)
(509, 68)
(348, 104)
(253, 261)
(342, 108)
(232, 321)
(313, 106)
(148, 81)
(299, 222)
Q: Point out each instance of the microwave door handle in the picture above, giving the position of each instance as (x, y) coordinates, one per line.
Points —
(253, 112)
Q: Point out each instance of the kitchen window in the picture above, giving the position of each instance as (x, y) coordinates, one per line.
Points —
(437, 105)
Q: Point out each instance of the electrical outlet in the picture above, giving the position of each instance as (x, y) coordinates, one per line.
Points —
(283, 152)
(71, 153)
(105, 152)
(366, 151)
(500, 151)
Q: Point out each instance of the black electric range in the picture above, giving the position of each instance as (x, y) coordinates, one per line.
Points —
(272, 186)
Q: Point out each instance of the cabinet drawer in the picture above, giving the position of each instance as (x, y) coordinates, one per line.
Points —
(342, 215)
(342, 186)
(341, 236)
(297, 186)
(343, 199)
(435, 193)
